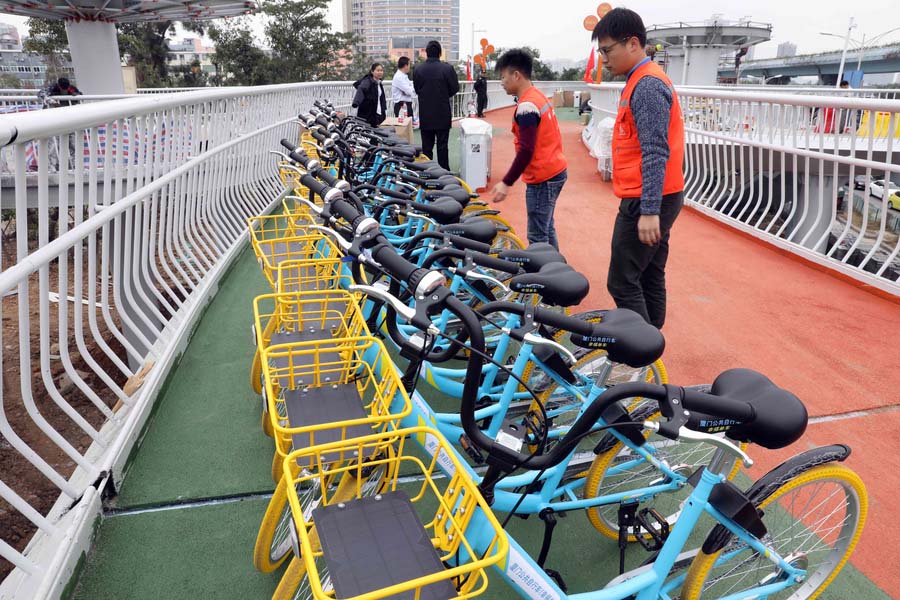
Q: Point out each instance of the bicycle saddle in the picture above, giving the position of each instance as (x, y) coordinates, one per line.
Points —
(781, 417)
(626, 337)
(556, 283)
(421, 165)
(441, 182)
(479, 230)
(534, 257)
(457, 192)
(443, 210)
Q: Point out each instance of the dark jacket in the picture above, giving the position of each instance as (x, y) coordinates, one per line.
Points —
(56, 90)
(480, 87)
(435, 83)
(365, 100)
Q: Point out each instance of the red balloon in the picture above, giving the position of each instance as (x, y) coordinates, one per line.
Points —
(590, 22)
(603, 9)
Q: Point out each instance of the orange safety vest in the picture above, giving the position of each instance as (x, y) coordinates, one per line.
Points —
(626, 147)
(548, 159)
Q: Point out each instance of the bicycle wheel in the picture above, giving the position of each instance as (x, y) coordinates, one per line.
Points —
(591, 366)
(506, 240)
(620, 469)
(813, 520)
(295, 584)
(273, 543)
(256, 374)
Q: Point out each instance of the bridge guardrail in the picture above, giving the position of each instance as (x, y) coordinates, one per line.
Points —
(781, 167)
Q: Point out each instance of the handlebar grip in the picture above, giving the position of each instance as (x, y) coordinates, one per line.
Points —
(327, 177)
(395, 265)
(290, 147)
(323, 120)
(412, 178)
(318, 135)
(491, 262)
(552, 318)
(393, 193)
(719, 406)
(345, 210)
(466, 244)
(315, 186)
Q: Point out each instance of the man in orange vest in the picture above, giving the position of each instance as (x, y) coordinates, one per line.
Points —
(648, 155)
(539, 157)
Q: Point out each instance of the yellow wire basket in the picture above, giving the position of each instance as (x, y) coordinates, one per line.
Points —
(279, 239)
(349, 542)
(292, 317)
(321, 391)
(312, 274)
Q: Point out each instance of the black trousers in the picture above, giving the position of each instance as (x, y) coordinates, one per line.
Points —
(428, 138)
(398, 105)
(481, 104)
(637, 272)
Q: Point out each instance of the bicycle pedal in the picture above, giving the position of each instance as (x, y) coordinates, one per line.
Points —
(473, 452)
(648, 521)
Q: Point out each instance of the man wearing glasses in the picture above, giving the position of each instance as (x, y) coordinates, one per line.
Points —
(648, 154)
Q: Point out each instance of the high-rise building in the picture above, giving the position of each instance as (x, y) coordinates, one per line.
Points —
(387, 24)
(9, 37)
(786, 49)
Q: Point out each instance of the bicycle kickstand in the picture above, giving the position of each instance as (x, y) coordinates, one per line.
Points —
(549, 518)
(627, 519)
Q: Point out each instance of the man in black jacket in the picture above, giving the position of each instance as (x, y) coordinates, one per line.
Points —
(480, 88)
(369, 100)
(435, 83)
(62, 87)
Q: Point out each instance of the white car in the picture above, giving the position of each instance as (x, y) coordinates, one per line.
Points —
(876, 188)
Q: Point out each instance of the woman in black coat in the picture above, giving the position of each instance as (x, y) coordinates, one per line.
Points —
(369, 100)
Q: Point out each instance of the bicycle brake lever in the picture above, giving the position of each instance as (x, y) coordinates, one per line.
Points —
(406, 312)
(312, 205)
(427, 219)
(482, 277)
(536, 340)
(344, 244)
(714, 440)
(281, 154)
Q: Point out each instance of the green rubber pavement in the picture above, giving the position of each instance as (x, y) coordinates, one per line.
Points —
(205, 440)
(190, 553)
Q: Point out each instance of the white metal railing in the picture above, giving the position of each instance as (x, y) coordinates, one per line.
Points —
(151, 196)
(794, 170)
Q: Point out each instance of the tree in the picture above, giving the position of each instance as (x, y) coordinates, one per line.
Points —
(48, 39)
(572, 74)
(539, 71)
(191, 75)
(303, 46)
(144, 47)
(237, 59)
(359, 65)
(8, 80)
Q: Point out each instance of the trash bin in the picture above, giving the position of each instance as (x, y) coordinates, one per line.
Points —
(475, 152)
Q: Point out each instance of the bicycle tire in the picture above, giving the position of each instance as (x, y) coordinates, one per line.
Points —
(289, 587)
(600, 482)
(256, 373)
(702, 581)
(591, 363)
(273, 541)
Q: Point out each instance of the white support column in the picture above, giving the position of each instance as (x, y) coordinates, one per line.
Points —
(95, 55)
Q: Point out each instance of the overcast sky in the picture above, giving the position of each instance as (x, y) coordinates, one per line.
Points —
(558, 32)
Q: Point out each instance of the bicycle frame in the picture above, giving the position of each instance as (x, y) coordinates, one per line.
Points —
(524, 575)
